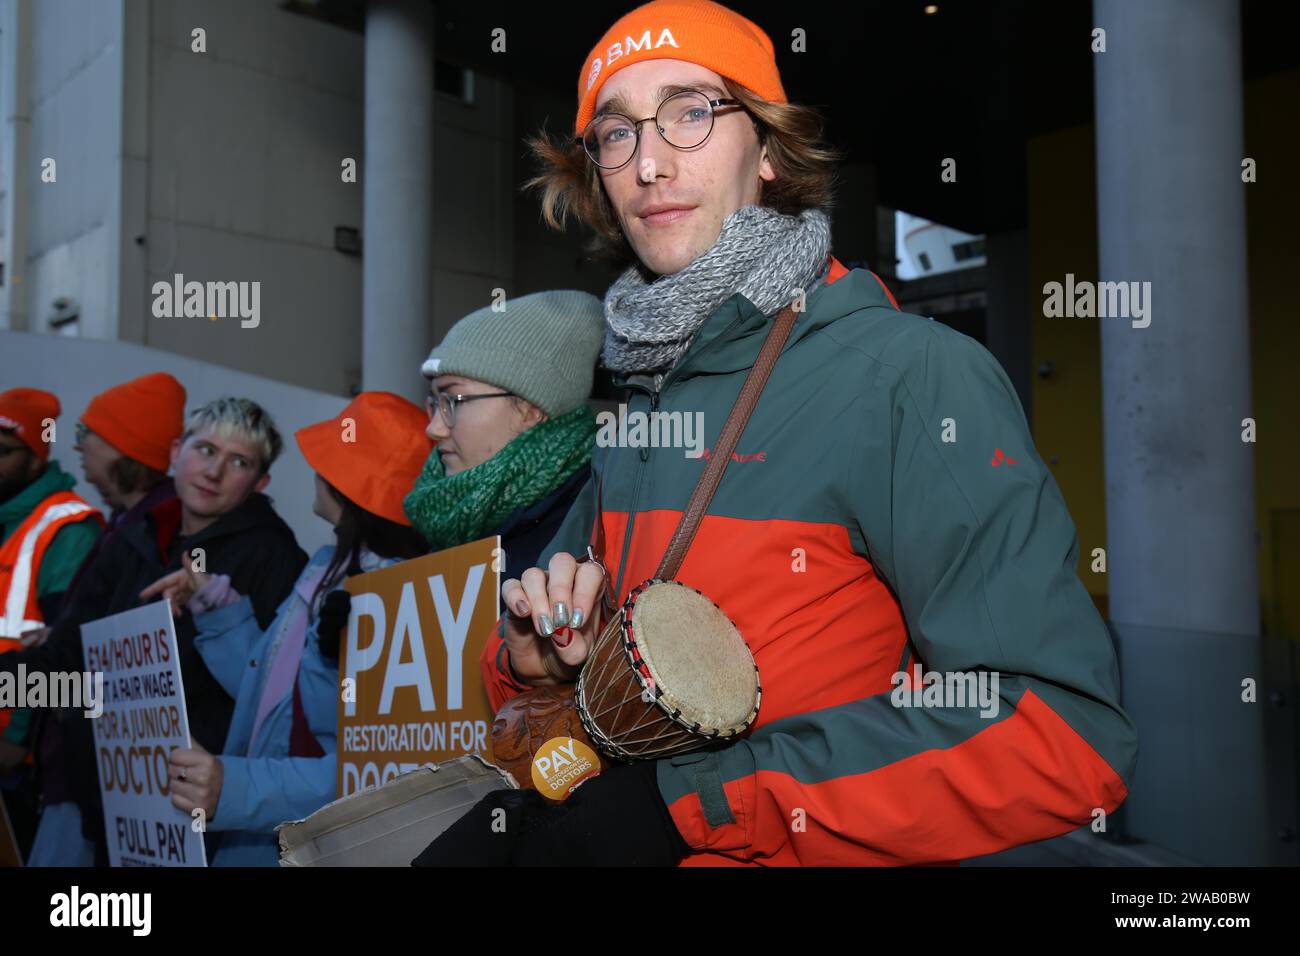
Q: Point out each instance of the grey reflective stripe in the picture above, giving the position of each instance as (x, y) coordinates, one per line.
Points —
(708, 786)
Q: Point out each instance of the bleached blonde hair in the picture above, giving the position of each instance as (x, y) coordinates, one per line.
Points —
(239, 418)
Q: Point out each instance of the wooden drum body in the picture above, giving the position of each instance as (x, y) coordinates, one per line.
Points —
(670, 673)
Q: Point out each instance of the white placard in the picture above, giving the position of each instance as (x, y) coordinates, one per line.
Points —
(144, 718)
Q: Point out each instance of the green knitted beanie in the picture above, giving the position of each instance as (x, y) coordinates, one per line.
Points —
(542, 347)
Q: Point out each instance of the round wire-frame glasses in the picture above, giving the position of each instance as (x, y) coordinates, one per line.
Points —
(684, 121)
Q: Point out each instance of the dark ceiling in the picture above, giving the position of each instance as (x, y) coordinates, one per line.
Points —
(900, 89)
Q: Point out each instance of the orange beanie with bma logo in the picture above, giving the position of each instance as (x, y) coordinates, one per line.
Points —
(697, 31)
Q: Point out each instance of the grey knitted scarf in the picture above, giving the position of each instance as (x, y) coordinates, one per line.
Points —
(764, 255)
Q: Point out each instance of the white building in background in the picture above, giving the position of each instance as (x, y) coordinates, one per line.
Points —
(142, 140)
(145, 139)
(929, 248)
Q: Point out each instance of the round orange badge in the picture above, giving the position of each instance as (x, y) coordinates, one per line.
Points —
(560, 764)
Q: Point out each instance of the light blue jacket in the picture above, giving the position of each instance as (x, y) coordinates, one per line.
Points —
(265, 788)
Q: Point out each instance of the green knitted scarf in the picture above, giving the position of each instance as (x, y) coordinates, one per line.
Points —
(456, 509)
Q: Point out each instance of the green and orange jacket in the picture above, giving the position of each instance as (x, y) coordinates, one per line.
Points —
(63, 556)
(885, 509)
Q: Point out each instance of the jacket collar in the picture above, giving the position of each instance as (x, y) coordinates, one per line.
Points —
(256, 512)
(155, 537)
(305, 587)
(52, 479)
(160, 493)
(730, 339)
(537, 512)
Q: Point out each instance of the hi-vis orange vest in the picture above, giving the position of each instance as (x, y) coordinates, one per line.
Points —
(20, 564)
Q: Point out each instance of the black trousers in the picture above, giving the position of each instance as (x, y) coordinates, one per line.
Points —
(23, 807)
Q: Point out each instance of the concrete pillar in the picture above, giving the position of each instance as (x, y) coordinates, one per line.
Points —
(1180, 490)
(397, 172)
(15, 161)
(129, 210)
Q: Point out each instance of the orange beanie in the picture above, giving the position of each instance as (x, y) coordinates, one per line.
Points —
(372, 452)
(24, 411)
(140, 418)
(697, 31)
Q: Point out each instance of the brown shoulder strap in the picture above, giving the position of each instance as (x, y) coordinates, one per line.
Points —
(721, 456)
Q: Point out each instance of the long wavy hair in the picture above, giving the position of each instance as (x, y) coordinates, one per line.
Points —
(358, 528)
(571, 187)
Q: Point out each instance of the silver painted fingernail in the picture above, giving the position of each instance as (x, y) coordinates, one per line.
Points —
(577, 618)
(561, 614)
(547, 627)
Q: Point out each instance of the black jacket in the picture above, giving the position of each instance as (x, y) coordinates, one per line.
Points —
(50, 725)
(251, 544)
(529, 530)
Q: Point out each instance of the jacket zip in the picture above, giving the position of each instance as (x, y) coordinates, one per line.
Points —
(644, 455)
(636, 492)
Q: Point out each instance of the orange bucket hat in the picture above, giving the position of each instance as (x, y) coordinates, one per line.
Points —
(23, 410)
(697, 31)
(372, 452)
(140, 418)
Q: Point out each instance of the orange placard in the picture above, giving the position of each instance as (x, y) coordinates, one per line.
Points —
(410, 687)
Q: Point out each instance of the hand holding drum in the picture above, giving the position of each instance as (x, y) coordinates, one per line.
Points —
(551, 619)
(666, 673)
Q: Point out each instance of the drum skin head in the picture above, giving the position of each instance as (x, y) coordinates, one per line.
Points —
(700, 665)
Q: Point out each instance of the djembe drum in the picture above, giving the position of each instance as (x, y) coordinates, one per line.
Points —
(668, 674)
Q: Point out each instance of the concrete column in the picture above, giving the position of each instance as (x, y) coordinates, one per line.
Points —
(129, 211)
(1180, 490)
(397, 172)
(15, 161)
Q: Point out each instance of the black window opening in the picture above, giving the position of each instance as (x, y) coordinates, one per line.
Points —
(455, 81)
